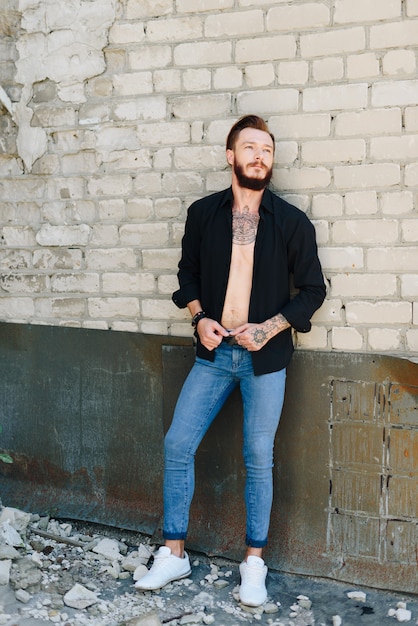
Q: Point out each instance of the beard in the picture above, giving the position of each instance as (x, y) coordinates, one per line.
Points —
(249, 182)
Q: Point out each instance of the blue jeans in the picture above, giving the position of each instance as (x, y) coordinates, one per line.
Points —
(204, 392)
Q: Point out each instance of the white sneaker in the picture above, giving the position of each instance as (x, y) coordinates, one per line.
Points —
(165, 569)
(252, 591)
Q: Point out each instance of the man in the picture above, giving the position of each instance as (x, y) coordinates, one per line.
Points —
(239, 248)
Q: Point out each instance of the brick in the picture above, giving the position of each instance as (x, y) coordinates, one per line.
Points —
(392, 259)
(335, 97)
(291, 72)
(364, 285)
(116, 185)
(328, 70)
(329, 312)
(409, 286)
(403, 401)
(395, 93)
(233, 24)
(18, 236)
(400, 536)
(160, 259)
(24, 283)
(412, 8)
(127, 160)
(316, 339)
(167, 284)
(57, 259)
(203, 53)
(16, 308)
(366, 10)
(383, 312)
(155, 328)
(394, 35)
(197, 80)
(142, 108)
(411, 175)
(260, 49)
(148, 8)
(304, 178)
(54, 116)
(124, 283)
(397, 203)
(363, 65)
(82, 282)
(365, 231)
(355, 535)
(162, 159)
(270, 101)
(322, 231)
(84, 161)
(403, 497)
(148, 183)
(361, 203)
(301, 125)
(160, 309)
(412, 340)
(115, 138)
(15, 259)
(200, 106)
(141, 235)
(410, 230)
(356, 491)
(310, 15)
(327, 205)
(167, 208)
(372, 122)
(104, 235)
(113, 307)
(333, 151)
(127, 33)
(340, 258)
(49, 235)
(133, 83)
(349, 339)
(384, 339)
(175, 29)
(394, 148)
(398, 62)
(228, 78)
(60, 308)
(110, 259)
(150, 57)
(167, 80)
(190, 6)
(199, 157)
(21, 190)
(411, 119)
(364, 176)
(112, 209)
(358, 445)
(354, 401)
(337, 41)
(94, 113)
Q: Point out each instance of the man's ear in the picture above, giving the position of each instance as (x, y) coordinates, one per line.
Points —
(230, 156)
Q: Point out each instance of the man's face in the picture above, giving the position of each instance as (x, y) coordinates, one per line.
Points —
(252, 159)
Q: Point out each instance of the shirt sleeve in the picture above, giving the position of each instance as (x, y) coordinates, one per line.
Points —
(189, 265)
(308, 278)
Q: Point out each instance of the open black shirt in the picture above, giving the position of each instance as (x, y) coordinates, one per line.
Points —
(285, 247)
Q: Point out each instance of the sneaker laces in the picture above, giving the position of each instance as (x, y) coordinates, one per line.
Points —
(254, 575)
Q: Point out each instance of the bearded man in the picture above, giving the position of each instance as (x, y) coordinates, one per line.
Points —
(239, 249)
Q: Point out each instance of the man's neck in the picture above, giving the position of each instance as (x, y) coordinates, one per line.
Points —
(246, 198)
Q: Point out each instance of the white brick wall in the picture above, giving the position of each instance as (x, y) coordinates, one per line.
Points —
(102, 161)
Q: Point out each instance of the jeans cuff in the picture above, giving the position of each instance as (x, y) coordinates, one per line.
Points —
(252, 543)
(174, 536)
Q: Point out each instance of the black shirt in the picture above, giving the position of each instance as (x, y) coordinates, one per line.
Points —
(285, 246)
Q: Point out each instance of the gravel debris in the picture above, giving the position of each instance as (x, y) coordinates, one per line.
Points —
(82, 574)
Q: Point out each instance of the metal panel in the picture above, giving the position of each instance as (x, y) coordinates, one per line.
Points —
(84, 413)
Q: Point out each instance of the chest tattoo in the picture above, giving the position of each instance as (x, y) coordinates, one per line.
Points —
(244, 226)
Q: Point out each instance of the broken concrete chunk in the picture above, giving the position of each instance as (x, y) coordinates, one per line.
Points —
(79, 597)
(22, 595)
(16, 518)
(359, 596)
(109, 548)
(9, 535)
(5, 571)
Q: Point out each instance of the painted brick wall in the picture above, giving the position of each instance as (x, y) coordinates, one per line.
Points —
(119, 117)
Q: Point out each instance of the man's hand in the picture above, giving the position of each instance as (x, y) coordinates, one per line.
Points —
(210, 333)
(251, 336)
(254, 336)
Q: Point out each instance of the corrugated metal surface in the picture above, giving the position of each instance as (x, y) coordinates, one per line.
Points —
(84, 413)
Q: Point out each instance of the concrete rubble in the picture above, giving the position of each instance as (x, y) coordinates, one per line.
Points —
(76, 574)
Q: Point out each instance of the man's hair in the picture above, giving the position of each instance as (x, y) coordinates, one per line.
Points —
(247, 121)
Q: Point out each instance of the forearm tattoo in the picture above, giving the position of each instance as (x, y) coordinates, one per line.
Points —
(275, 325)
